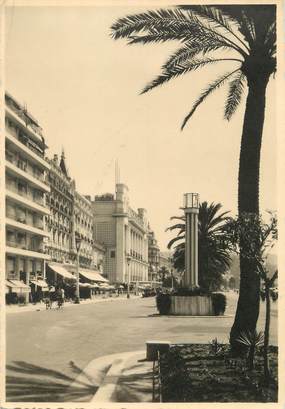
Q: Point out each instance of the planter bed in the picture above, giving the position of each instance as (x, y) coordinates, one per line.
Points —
(198, 373)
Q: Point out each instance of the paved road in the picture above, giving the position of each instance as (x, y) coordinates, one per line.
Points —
(47, 349)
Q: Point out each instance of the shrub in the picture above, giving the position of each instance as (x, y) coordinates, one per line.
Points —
(163, 303)
(175, 377)
(219, 303)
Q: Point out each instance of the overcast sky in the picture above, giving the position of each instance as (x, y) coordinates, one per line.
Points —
(83, 87)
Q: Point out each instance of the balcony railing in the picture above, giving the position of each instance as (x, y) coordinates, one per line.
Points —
(25, 194)
(23, 166)
(23, 219)
(25, 246)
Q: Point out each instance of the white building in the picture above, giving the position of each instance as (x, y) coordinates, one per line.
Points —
(26, 207)
(124, 234)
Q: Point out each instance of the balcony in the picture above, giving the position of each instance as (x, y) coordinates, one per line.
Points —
(25, 227)
(29, 153)
(16, 169)
(18, 117)
(19, 251)
(27, 200)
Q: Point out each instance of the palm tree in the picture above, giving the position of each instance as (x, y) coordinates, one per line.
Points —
(213, 256)
(246, 34)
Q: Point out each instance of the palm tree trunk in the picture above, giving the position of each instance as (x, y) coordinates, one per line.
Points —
(266, 334)
(248, 202)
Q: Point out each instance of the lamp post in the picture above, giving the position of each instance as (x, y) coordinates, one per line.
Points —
(77, 293)
(128, 284)
(191, 209)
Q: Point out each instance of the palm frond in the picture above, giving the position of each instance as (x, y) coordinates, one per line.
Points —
(215, 15)
(163, 20)
(177, 218)
(174, 71)
(163, 25)
(234, 95)
(160, 37)
(174, 240)
(212, 87)
(250, 338)
(192, 49)
(176, 226)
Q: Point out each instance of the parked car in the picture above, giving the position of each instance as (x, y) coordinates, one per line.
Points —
(148, 292)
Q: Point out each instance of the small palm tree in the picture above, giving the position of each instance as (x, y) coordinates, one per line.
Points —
(244, 36)
(213, 256)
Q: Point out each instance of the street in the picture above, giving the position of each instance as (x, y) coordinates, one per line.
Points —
(56, 345)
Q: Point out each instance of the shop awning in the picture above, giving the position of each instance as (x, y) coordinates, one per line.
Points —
(93, 276)
(61, 271)
(84, 285)
(40, 283)
(18, 286)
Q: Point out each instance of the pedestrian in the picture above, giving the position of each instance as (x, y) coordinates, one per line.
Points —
(62, 294)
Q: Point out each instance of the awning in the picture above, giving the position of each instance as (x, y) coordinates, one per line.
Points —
(61, 271)
(40, 283)
(106, 287)
(18, 286)
(84, 285)
(93, 276)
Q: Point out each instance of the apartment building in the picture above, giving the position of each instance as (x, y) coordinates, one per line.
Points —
(26, 207)
(123, 231)
(153, 257)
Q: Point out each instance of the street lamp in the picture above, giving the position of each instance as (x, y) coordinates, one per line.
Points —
(77, 293)
(191, 210)
(128, 287)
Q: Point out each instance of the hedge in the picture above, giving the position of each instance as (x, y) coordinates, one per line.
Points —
(163, 301)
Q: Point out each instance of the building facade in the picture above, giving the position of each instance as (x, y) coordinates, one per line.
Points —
(26, 207)
(60, 221)
(153, 257)
(124, 233)
(70, 219)
(83, 229)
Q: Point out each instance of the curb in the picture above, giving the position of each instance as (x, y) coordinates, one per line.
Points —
(66, 305)
(106, 391)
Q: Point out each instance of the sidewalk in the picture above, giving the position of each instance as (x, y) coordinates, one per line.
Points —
(12, 309)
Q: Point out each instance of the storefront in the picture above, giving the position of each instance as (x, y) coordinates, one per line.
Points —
(16, 292)
(39, 289)
(59, 277)
(93, 279)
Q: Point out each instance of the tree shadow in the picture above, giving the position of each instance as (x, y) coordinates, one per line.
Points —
(31, 383)
(136, 387)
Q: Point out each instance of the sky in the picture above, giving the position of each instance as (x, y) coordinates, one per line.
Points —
(83, 87)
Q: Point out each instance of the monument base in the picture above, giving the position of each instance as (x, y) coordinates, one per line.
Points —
(191, 305)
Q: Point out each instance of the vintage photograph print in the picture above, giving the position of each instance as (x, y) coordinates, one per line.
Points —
(140, 254)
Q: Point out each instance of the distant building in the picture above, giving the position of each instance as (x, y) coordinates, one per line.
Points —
(83, 228)
(165, 261)
(60, 221)
(153, 257)
(26, 207)
(71, 217)
(124, 233)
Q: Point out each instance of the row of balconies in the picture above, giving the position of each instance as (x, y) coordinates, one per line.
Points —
(24, 245)
(23, 164)
(22, 189)
(21, 116)
(136, 255)
(24, 216)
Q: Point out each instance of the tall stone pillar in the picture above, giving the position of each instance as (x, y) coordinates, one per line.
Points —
(191, 209)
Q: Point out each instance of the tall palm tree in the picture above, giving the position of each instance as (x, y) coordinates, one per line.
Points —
(213, 255)
(244, 35)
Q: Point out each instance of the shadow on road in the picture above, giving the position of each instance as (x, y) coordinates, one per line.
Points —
(31, 383)
(135, 387)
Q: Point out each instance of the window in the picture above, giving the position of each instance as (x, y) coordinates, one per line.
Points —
(112, 254)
